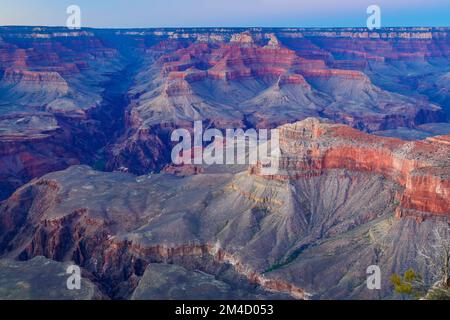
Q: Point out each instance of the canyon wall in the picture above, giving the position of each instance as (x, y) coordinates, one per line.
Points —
(421, 167)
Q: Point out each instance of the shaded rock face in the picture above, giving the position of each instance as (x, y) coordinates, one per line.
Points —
(163, 281)
(310, 232)
(58, 93)
(35, 81)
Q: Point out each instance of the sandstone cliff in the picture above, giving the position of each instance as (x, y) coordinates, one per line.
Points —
(313, 146)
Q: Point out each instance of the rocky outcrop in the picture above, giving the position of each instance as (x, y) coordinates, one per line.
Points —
(13, 77)
(26, 81)
(421, 167)
(234, 61)
(96, 244)
(185, 284)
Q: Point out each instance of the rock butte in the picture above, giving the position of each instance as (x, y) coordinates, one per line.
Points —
(422, 167)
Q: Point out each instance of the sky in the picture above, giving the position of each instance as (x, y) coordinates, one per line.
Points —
(225, 13)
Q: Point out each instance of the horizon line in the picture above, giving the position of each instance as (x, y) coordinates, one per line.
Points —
(219, 27)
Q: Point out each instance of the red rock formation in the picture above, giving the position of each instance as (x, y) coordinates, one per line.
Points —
(292, 79)
(330, 73)
(276, 285)
(311, 146)
(230, 62)
(14, 76)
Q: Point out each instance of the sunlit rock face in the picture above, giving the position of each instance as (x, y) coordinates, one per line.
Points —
(314, 146)
(363, 174)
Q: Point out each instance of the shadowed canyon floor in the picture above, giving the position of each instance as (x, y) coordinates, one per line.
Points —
(86, 174)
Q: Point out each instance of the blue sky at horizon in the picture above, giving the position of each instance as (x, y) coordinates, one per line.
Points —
(225, 13)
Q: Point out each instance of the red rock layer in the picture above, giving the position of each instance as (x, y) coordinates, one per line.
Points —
(387, 49)
(14, 76)
(167, 252)
(310, 147)
(232, 61)
(57, 55)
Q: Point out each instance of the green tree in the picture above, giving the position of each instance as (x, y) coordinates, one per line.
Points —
(408, 285)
